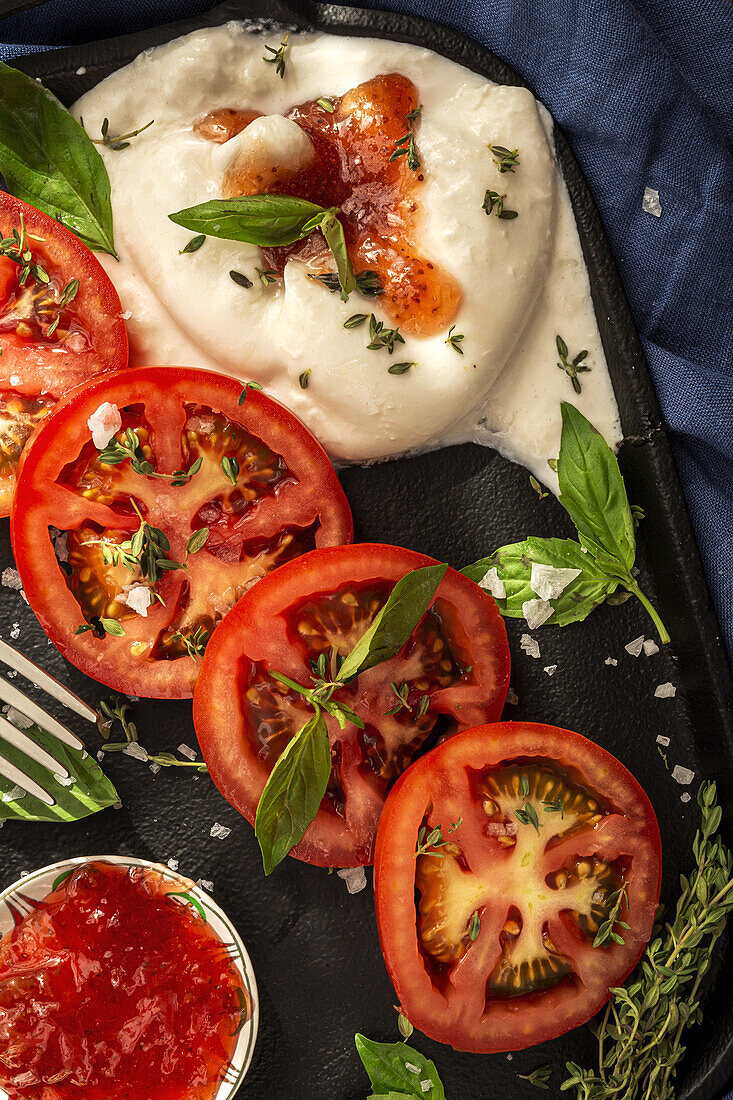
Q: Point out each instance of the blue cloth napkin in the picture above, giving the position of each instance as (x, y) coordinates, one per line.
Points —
(644, 93)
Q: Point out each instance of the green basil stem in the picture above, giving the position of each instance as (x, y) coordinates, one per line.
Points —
(631, 586)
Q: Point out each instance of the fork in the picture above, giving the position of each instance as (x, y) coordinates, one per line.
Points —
(13, 736)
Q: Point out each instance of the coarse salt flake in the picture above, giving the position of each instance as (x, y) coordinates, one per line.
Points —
(425, 1085)
(550, 669)
(20, 721)
(685, 797)
(530, 645)
(650, 647)
(65, 780)
(173, 864)
(650, 204)
(683, 776)
(635, 647)
(136, 751)
(536, 612)
(138, 597)
(205, 884)
(10, 578)
(548, 582)
(492, 583)
(662, 740)
(665, 691)
(81, 70)
(186, 751)
(14, 379)
(412, 1068)
(611, 661)
(14, 794)
(155, 768)
(103, 423)
(354, 877)
(219, 832)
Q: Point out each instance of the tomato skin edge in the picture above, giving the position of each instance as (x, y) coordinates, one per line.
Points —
(394, 877)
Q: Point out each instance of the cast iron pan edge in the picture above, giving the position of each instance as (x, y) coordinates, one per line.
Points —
(647, 461)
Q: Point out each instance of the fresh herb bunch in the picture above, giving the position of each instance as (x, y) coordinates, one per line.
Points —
(398, 1071)
(298, 781)
(122, 141)
(593, 493)
(146, 551)
(572, 367)
(428, 843)
(405, 145)
(640, 1035)
(271, 221)
(48, 160)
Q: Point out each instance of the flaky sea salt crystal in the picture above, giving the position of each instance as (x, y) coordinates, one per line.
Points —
(650, 204)
(492, 583)
(219, 832)
(81, 70)
(354, 877)
(15, 631)
(205, 884)
(611, 661)
(635, 647)
(536, 612)
(100, 756)
(14, 794)
(10, 578)
(548, 582)
(684, 776)
(173, 864)
(188, 752)
(650, 647)
(138, 597)
(685, 797)
(65, 780)
(665, 691)
(155, 768)
(550, 669)
(530, 645)
(20, 721)
(103, 423)
(136, 751)
(412, 1068)
(425, 1085)
(662, 740)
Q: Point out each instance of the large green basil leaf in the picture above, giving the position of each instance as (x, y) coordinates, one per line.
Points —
(266, 220)
(391, 1068)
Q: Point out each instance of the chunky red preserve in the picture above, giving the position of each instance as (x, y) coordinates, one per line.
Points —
(113, 988)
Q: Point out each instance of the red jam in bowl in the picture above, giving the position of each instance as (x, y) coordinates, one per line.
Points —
(115, 988)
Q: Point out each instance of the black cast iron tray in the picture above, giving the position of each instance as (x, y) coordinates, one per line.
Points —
(314, 948)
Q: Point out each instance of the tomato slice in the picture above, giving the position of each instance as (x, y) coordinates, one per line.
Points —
(488, 937)
(49, 344)
(452, 673)
(280, 497)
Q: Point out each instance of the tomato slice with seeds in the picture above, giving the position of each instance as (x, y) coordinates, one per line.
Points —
(452, 672)
(261, 491)
(51, 338)
(488, 932)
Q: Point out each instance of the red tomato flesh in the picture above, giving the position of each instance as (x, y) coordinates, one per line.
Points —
(111, 989)
(454, 668)
(287, 499)
(48, 346)
(488, 936)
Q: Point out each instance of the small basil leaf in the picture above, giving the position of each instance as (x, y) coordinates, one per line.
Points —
(49, 161)
(90, 792)
(387, 1067)
(593, 493)
(293, 792)
(266, 220)
(514, 567)
(390, 1096)
(392, 626)
(333, 231)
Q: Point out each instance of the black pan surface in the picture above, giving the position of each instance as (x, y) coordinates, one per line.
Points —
(315, 949)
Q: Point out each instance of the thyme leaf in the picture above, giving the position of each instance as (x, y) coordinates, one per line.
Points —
(538, 1077)
(368, 283)
(121, 141)
(506, 160)
(429, 842)
(572, 367)
(494, 204)
(455, 341)
(405, 145)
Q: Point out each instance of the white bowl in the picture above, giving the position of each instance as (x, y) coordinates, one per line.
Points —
(39, 884)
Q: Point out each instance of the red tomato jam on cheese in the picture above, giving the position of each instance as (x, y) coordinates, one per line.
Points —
(114, 988)
(365, 160)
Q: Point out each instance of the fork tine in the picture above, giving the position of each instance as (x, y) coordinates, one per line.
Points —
(15, 775)
(15, 698)
(45, 681)
(26, 744)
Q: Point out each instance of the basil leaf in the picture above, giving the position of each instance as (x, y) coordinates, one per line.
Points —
(269, 221)
(333, 231)
(387, 1066)
(514, 567)
(91, 791)
(407, 603)
(593, 493)
(293, 792)
(389, 1096)
(49, 161)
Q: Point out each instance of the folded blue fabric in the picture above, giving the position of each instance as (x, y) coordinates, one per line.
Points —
(644, 93)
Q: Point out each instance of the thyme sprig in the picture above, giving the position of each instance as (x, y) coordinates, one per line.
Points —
(428, 842)
(146, 551)
(368, 283)
(494, 204)
(16, 248)
(506, 160)
(405, 145)
(640, 1035)
(538, 1077)
(381, 337)
(194, 643)
(121, 141)
(572, 367)
(278, 56)
(118, 451)
(455, 341)
(402, 692)
(606, 934)
(115, 710)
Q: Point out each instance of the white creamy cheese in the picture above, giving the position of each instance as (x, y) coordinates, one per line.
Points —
(523, 280)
